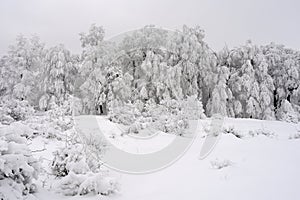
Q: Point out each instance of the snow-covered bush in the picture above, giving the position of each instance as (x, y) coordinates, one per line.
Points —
(4, 117)
(71, 158)
(53, 123)
(125, 114)
(18, 167)
(61, 116)
(14, 110)
(80, 174)
(43, 126)
(171, 116)
(89, 183)
(232, 130)
(48, 127)
(19, 128)
(192, 108)
(163, 117)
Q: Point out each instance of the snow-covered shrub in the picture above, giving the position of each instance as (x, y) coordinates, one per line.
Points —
(163, 117)
(89, 183)
(18, 167)
(170, 116)
(4, 117)
(125, 114)
(173, 124)
(42, 125)
(19, 128)
(80, 174)
(50, 127)
(62, 122)
(62, 115)
(192, 108)
(53, 123)
(71, 158)
(173, 116)
(136, 115)
(233, 131)
(14, 109)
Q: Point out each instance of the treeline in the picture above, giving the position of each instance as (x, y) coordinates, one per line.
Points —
(153, 65)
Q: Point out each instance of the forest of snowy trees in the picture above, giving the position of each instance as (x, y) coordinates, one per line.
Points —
(151, 66)
(150, 76)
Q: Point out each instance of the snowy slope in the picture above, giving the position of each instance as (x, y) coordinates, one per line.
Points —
(263, 166)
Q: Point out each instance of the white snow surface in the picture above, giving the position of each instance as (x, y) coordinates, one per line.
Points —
(263, 166)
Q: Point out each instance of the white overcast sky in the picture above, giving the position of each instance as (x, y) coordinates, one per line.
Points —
(229, 22)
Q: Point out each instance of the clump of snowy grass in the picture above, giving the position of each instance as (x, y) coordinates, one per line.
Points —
(295, 136)
(220, 164)
(264, 132)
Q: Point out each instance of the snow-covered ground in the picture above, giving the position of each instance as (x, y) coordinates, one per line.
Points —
(263, 164)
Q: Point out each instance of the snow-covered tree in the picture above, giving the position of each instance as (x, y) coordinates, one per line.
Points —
(285, 72)
(266, 95)
(196, 62)
(141, 58)
(218, 103)
(95, 70)
(59, 73)
(250, 82)
(21, 69)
